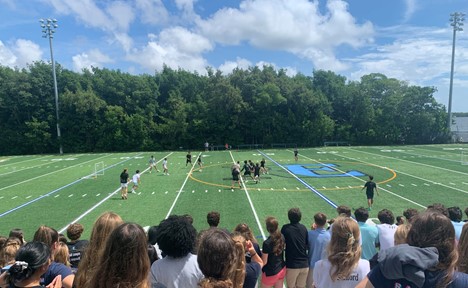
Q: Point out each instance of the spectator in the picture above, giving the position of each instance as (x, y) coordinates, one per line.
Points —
(221, 260)
(274, 269)
(152, 233)
(428, 260)
(32, 261)
(18, 233)
(61, 254)
(369, 234)
(245, 231)
(386, 229)
(9, 250)
(463, 251)
(439, 207)
(76, 246)
(50, 237)
(343, 268)
(124, 260)
(409, 214)
(455, 215)
(400, 220)
(179, 268)
(401, 233)
(466, 213)
(297, 240)
(102, 228)
(318, 240)
(342, 209)
(212, 218)
(253, 262)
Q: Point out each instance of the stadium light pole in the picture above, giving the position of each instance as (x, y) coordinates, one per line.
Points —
(48, 29)
(456, 21)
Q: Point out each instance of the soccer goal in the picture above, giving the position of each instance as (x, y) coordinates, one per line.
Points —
(98, 169)
(464, 157)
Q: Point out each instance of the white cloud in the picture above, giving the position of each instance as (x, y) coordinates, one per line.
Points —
(176, 47)
(296, 26)
(121, 14)
(240, 63)
(152, 11)
(93, 58)
(20, 53)
(411, 7)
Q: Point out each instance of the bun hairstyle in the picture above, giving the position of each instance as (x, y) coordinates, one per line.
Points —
(30, 258)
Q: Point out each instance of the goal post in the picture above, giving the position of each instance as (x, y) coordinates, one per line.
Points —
(464, 157)
(98, 169)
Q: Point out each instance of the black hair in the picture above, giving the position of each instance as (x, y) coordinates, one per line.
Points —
(137, 171)
(176, 236)
(294, 215)
(455, 214)
(361, 214)
(386, 216)
(439, 207)
(410, 213)
(29, 258)
(152, 232)
(213, 218)
(371, 177)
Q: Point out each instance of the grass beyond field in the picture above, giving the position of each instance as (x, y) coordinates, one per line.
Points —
(55, 190)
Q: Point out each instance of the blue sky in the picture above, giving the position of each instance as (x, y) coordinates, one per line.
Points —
(409, 40)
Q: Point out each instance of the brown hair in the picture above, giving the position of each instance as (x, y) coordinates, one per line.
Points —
(9, 250)
(245, 230)
(61, 254)
(46, 235)
(434, 229)
(219, 258)
(344, 250)
(275, 235)
(463, 250)
(103, 227)
(74, 231)
(124, 260)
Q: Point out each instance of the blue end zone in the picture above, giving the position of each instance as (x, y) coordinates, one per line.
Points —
(325, 170)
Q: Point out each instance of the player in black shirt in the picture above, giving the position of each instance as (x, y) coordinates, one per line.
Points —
(370, 186)
(189, 159)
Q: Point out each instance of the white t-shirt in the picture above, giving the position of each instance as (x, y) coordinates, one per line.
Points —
(386, 235)
(322, 275)
(165, 164)
(135, 178)
(176, 272)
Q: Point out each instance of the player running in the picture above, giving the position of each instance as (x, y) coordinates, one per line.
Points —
(136, 181)
(152, 163)
(124, 183)
(165, 170)
(370, 187)
(189, 159)
(199, 162)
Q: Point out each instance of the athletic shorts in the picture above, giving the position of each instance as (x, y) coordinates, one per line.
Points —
(370, 195)
(189, 161)
(235, 177)
(123, 185)
(271, 280)
(246, 172)
(135, 184)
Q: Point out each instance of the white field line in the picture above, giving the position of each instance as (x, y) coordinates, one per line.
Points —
(53, 172)
(413, 162)
(362, 180)
(26, 168)
(181, 188)
(250, 201)
(427, 156)
(95, 206)
(15, 163)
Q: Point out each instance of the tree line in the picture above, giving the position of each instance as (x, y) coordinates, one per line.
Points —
(108, 110)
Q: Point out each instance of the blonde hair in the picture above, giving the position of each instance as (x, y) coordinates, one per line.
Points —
(401, 233)
(61, 254)
(102, 228)
(238, 275)
(463, 250)
(344, 250)
(9, 250)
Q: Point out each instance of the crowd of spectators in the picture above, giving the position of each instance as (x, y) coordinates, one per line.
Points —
(427, 248)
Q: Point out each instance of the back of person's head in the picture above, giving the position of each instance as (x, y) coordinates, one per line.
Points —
(401, 233)
(9, 250)
(124, 261)
(152, 232)
(275, 234)
(439, 207)
(433, 229)
(320, 219)
(400, 220)
(3, 240)
(62, 238)
(463, 250)
(104, 225)
(212, 218)
(31, 258)
(344, 250)
(371, 177)
(410, 213)
(218, 259)
(74, 231)
(294, 215)
(176, 236)
(342, 209)
(245, 230)
(466, 211)
(47, 235)
(241, 246)
(386, 217)
(18, 233)
(361, 214)
(455, 214)
(61, 254)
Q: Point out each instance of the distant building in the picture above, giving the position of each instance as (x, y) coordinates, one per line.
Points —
(459, 129)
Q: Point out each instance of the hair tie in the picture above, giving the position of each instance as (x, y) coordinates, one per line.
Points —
(22, 264)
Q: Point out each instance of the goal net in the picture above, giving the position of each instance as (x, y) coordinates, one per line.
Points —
(98, 169)
(464, 157)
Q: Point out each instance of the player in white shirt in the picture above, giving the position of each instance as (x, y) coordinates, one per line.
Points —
(165, 170)
(386, 229)
(136, 181)
(152, 163)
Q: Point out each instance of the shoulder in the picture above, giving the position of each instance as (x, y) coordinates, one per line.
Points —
(460, 280)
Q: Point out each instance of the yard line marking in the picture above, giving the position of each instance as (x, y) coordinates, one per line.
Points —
(16, 163)
(362, 180)
(181, 188)
(250, 201)
(428, 156)
(451, 183)
(27, 197)
(58, 195)
(401, 185)
(427, 184)
(71, 195)
(414, 185)
(465, 183)
(14, 197)
(84, 195)
(58, 189)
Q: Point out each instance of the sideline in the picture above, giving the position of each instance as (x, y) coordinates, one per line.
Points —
(250, 201)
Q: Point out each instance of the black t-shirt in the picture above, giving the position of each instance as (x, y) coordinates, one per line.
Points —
(252, 271)
(123, 177)
(297, 239)
(257, 170)
(275, 262)
(76, 251)
(370, 186)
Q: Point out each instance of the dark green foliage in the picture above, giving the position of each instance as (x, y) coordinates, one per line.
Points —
(108, 110)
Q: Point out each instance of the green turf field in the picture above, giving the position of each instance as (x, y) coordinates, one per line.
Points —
(55, 190)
